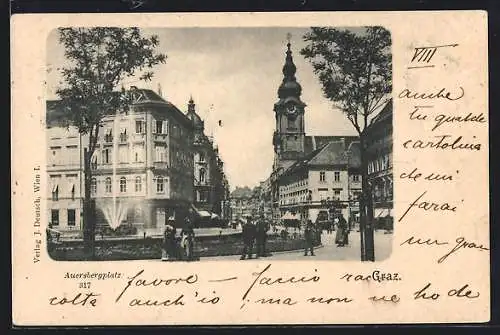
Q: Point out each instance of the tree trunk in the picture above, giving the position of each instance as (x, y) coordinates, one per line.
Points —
(366, 209)
(88, 212)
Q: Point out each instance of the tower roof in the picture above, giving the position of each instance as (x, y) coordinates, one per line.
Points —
(289, 86)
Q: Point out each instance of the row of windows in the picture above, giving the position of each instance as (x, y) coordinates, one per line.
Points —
(55, 192)
(71, 215)
(322, 176)
(108, 185)
(123, 155)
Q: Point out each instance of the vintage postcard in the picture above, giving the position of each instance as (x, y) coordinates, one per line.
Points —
(250, 168)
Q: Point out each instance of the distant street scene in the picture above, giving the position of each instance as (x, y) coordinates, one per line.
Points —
(225, 144)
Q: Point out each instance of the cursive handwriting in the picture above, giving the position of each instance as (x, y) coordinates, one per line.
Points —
(426, 293)
(441, 94)
(419, 241)
(263, 280)
(442, 142)
(462, 243)
(428, 206)
(80, 299)
(154, 302)
(138, 282)
(441, 119)
(324, 300)
(416, 175)
(394, 298)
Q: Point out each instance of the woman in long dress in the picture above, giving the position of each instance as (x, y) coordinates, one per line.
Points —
(187, 239)
(340, 237)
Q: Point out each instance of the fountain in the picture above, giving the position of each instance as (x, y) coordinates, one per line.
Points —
(115, 212)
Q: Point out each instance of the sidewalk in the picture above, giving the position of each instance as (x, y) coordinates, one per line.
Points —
(328, 250)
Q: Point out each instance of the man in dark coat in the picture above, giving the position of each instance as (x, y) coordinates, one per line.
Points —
(309, 236)
(248, 234)
(261, 237)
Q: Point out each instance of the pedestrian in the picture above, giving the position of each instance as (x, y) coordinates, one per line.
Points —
(261, 237)
(348, 230)
(169, 244)
(248, 234)
(309, 237)
(340, 237)
(187, 239)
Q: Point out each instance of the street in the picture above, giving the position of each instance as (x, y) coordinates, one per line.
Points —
(329, 251)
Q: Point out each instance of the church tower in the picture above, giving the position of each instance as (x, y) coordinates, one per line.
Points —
(289, 134)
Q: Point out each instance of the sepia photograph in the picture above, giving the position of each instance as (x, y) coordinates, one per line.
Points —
(250, 169)
(194, 144)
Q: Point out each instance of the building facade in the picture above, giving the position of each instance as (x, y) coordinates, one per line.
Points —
(309, 171)
(65, 176)
(379, 157)
(210, 185)
(325, 180)
(142, 168)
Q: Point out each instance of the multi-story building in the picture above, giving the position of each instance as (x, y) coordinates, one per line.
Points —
(142, 168)
(210, 186)
(329, 176)
(65, 176)
(308, 167)
(379, 157)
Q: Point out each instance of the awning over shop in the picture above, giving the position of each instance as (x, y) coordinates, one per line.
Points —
(204, 214)
(382, 212)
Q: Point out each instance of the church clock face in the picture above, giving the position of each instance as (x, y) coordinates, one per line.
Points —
(291, 110)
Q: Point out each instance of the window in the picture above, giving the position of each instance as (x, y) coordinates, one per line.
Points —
(136, 156)
(123, 152)
(55, 217)
(202, 175)
(336, 193)
(322, 176)
(139, 127)
(123, 135)
(109, 189)
(202, 156)
(159, 127)
(93, 186)
(123, 185)
(336, 176)
(355, 178)
(108, 137)
(160, 153)
(138, 184)
(160, 187)
(323, 193)
(73, 192)
(71, 217)
(106, 156)
(55, 193)
(93, 161)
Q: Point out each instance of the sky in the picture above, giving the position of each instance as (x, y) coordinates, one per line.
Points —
(233, 75)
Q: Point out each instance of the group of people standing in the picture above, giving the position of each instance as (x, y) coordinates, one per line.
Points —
(172, 249)
(254, 233)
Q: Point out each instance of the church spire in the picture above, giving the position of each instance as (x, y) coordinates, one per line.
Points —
(289, 87)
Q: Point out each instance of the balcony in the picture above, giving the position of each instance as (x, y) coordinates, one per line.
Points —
(138, 137)
(123, 138)
(160, 137)
(108, 139)
(160, 166)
